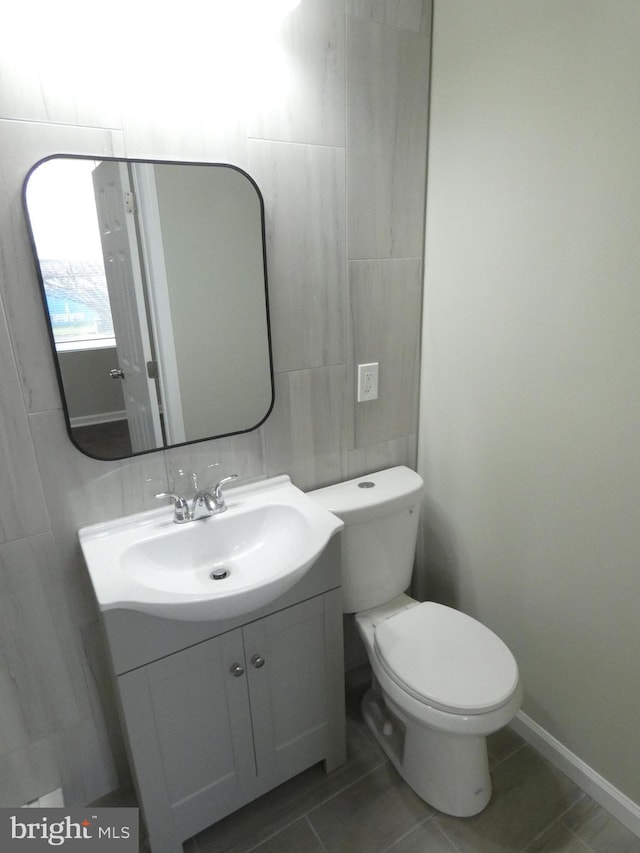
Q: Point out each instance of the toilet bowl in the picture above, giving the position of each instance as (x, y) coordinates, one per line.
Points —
(441, 681)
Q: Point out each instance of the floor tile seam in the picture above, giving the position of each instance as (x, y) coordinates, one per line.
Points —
(315, 832)
(586, 846)
(444, 831)
(303, 815)
(500, 762)
(273, 835)
(562, 816)
(337, 793)
(429, 817)
(557, 822)
(284, 829)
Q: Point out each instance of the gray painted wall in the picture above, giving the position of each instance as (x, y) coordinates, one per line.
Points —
(345, 288)
(531, 370)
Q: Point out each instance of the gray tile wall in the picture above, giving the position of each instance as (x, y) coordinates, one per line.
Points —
(339, 150)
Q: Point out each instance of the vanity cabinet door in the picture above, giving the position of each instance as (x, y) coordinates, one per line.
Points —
(287, 672)
(217, 724)
(189, 729)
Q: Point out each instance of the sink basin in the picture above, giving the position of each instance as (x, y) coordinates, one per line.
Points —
(217, 567)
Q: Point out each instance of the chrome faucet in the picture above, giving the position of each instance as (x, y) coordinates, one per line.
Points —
(181, 511)
(218, 497)
(212, 500)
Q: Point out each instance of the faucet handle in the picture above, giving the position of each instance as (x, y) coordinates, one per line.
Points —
(181, 506)
(218, 497)
(179, 499)
(223, 482)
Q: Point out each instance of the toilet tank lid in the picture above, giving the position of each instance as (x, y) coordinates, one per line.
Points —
(371, 495)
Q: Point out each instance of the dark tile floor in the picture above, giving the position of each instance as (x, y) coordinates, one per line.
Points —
(365, 807)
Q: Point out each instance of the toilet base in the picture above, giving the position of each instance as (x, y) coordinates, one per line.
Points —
(448, 771)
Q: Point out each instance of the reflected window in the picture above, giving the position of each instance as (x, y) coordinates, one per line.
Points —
(78, 304)
(63, 209)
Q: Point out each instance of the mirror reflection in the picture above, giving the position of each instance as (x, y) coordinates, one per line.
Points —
(153, 277)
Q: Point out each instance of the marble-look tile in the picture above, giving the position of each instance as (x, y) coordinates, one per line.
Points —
(23, 144)
(101, 690)
(599, 830)
(13, 732)
(22, 507)
(370, 815)
(56, 596)
(387, 454)
(300, 77)
(528, 795)
(80, 490)
(413, 15)
(29, 772)
(86, 765)
(303, 189)
(40, 79)
(278, 809)
(212, 460)
(387, 106)
(190, 126)
(304, 436)
(385, 302)
(191, 106)
(29, 639)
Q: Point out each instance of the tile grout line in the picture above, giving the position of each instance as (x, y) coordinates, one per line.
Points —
(345, 788)
(511, 755)
(558, 822)
(429, 817)
(313, 830)
(305, 815)
(444, 832)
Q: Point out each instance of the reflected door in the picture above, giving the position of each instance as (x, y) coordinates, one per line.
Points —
(115, 206)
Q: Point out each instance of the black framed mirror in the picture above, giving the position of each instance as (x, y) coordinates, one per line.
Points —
(154, 283)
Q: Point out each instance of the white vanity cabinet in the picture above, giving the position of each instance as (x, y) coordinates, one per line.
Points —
(237, 710)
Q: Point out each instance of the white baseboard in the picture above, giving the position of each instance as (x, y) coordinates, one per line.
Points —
(603, 792)
(94, 420)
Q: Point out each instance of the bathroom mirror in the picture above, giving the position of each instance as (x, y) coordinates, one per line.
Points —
(153, 278)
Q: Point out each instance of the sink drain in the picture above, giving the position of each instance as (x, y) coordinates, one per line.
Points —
(219, 574)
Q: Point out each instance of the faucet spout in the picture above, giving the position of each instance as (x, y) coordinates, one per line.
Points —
(205, 499)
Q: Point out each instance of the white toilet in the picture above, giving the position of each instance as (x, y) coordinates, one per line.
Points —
(441, 681)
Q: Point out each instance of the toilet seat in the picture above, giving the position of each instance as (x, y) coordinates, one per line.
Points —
(446, 659)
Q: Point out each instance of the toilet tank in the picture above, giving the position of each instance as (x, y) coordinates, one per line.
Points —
(380, 512)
